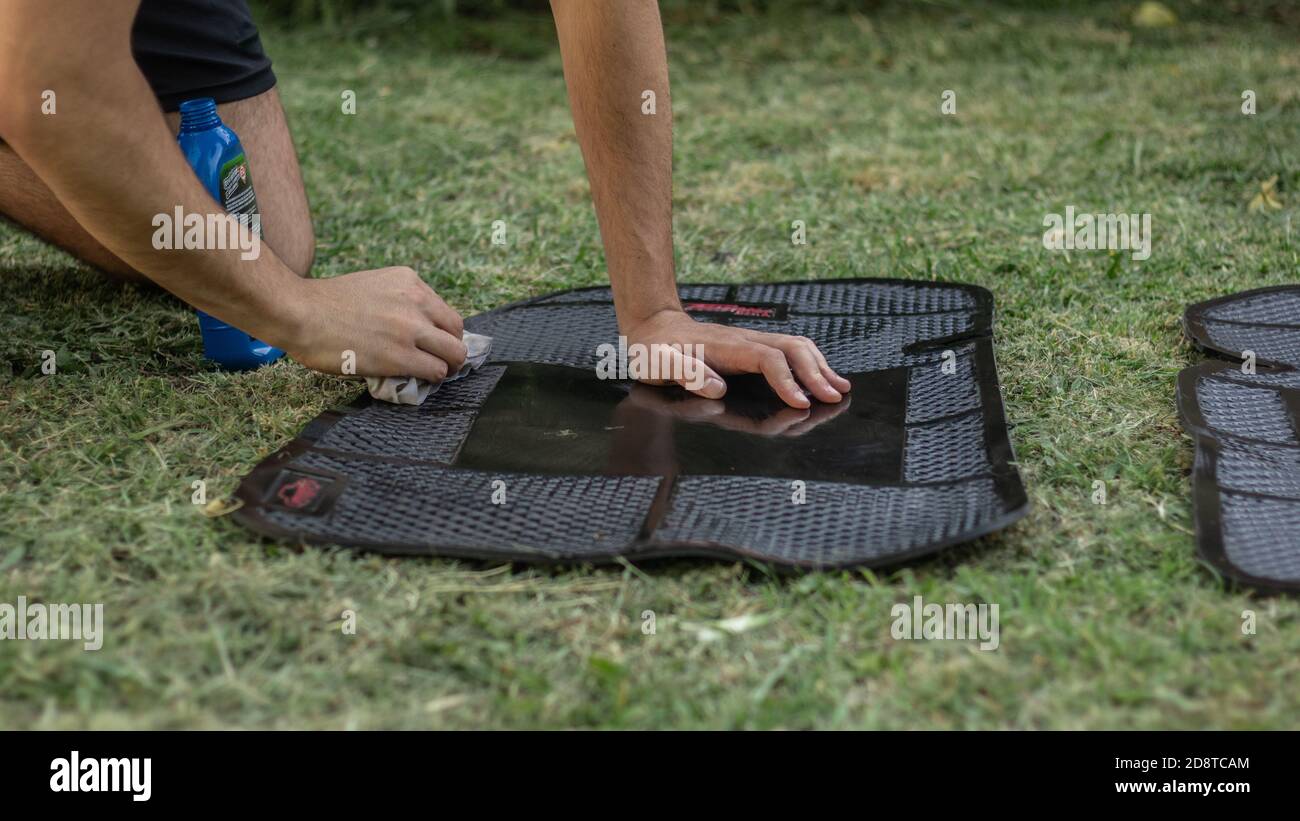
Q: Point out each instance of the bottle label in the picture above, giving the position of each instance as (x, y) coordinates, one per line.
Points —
(237, 195)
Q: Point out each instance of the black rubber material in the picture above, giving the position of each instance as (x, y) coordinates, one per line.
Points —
(916, 459)
(1246, 475)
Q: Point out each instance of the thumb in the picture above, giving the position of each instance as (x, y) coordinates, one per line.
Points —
(700, 379)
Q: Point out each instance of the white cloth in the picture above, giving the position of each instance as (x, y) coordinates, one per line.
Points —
(407, 390)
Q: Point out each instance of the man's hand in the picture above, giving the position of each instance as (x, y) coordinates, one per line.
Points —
(787, 422)
(787, 362)
(390, 321)
(614, 63)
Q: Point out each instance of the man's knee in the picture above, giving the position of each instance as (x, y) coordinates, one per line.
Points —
(28, 203)
(286, 214)
(289, 233)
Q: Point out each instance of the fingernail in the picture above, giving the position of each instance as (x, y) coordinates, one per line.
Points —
(714, 387)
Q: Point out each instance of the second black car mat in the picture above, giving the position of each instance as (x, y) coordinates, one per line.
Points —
(1244, 416)
(535, 457)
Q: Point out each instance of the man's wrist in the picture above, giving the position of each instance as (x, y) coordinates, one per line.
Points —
(630, 318)
(279, 313)
(290, 317)
(640, 300)
(641, 318)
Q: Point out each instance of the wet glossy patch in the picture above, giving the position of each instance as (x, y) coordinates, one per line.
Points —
(555, 419)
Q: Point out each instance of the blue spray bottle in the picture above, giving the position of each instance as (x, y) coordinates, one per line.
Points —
(215, 154)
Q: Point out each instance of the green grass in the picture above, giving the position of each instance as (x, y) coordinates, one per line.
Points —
(1108, 618)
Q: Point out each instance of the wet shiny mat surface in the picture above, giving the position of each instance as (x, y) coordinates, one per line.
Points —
(1245, 423)
(535, 458)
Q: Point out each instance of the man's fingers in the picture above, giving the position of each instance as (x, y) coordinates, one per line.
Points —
(670, 365)
(423, 365)
(784, 361)
(450, 349)
(812, 372)
(772, 364)
(752, 356)
(698, 378)
(838, 382)
(441, 313)
(807, 368)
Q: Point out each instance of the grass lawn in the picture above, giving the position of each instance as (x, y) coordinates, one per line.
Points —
(1108, 618)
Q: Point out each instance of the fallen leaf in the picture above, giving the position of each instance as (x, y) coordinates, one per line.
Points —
(713, 631)
(702, 632)
(220, 507)
(1152, 15)
(437, 705)
(743, 624)
(1266, 197)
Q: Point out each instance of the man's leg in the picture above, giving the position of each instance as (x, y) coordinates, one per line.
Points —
(260, 123)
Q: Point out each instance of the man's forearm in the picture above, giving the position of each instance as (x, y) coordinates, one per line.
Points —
(109, 157)
(613, 53)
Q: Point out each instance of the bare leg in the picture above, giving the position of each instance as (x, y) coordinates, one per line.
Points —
(260, 123)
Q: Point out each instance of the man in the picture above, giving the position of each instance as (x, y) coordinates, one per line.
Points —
(90, 178)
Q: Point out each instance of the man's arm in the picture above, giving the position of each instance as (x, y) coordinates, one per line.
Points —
(613, 52)
(109, 157)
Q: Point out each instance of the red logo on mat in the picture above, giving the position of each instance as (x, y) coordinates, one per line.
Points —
(299, 493)
(730, 308)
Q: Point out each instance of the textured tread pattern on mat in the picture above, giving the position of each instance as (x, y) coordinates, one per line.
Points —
(756, 513)
(409, 505)
(926, 462)
(1246, 427)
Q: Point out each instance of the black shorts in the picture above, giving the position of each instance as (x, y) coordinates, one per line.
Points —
(200, 48)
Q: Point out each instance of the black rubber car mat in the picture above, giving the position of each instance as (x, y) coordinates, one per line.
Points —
(533, 458)
(1244, 417)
